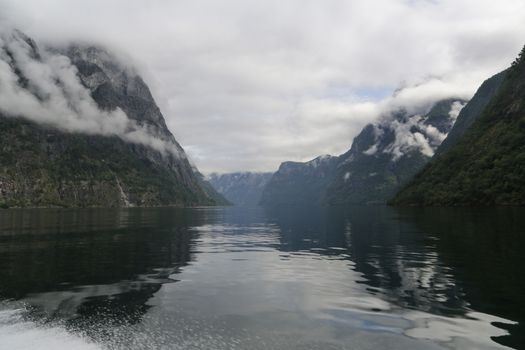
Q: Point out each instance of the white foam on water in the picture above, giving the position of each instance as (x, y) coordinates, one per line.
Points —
(476, 331)
(18, 333)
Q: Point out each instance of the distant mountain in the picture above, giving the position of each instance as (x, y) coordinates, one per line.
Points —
(80, 128)
(243, 188)
(387, 154)
(298, 183)
(383, 157)
(486, 166)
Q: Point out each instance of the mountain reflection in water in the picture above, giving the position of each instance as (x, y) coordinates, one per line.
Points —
(274, 278)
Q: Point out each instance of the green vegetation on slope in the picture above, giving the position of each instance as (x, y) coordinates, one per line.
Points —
(45, 167)
(42, 165)
(472, 110)
(487, 165)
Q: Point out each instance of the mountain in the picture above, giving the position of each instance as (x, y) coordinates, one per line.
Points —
(242, 188)
(385, 155)
(78, 127)
(486, 166)
(298, 183)
(472, 110)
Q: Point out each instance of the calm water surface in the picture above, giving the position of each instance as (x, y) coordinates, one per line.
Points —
(253, 278)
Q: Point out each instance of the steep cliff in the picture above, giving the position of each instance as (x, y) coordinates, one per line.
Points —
(80, 128)
(486, 166)
(472, 110)
(383, 157)
(387, 154)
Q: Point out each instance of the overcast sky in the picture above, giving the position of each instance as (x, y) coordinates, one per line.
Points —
(247, 84)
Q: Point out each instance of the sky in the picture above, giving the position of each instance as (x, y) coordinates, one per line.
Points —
(247, 84)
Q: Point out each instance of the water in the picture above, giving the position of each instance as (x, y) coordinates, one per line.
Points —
(253, 278)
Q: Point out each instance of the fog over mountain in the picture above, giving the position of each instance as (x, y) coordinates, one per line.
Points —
(43, 86)
(80, 128)
(246, 85)
(384, 156)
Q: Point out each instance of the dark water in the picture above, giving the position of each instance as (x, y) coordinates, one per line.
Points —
(232, 278)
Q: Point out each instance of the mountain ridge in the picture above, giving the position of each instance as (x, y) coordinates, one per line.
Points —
(382, 157)
(385, 155)
(297, 183)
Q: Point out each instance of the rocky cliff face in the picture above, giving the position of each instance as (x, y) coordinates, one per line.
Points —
(80, 128)
(243, 188)
(383, 157)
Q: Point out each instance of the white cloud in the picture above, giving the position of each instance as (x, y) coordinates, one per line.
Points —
(456, 109)
(414, 101)
(53, 95)
(407, 140)
(246, 84)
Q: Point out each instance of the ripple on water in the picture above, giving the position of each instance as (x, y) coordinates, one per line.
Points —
(246, 286)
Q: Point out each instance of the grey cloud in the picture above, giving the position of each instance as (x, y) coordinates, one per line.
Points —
(247, 84)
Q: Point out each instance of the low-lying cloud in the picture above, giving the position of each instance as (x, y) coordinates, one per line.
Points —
(456, 109)
(403, 115)
(425, 140)
(45, 88)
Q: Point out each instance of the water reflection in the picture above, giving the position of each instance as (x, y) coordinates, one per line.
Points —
(399, 263)
(91, 268)
(335, 277)
(445, 262)
(484, 248)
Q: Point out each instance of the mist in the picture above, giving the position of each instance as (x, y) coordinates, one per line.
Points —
(411, 133)
(44, 87)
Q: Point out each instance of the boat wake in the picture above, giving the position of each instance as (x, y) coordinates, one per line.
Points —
(18, 331)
